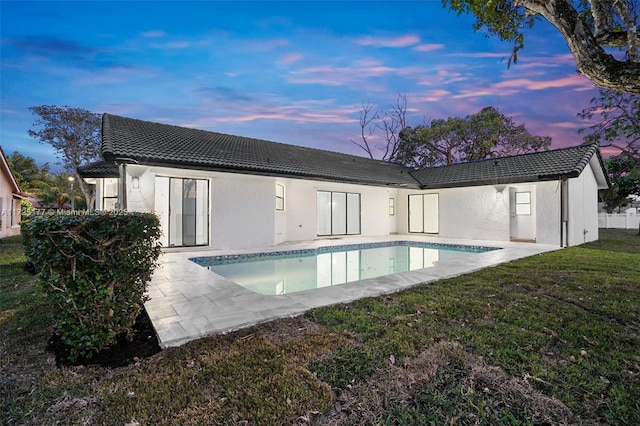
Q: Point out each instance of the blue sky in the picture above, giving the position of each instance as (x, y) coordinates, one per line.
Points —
(292, 72)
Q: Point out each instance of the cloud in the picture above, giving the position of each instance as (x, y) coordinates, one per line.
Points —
(60, 50)
(513, 86)
(153, 34)
(435, 95)
(575, 80)
(567, 125)
(356, 73)
(172, 45)
(401, 41)
(225, 94)
(48, 46)
(428, 47)
(240, 107)
(290, 58)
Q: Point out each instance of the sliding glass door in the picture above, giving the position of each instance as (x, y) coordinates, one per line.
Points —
(188, 212)
(424, 213)
(338, 213)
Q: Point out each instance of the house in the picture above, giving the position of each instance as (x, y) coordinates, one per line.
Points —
(232, 192)
(10, 210)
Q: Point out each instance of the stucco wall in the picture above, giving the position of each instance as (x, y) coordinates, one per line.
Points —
(301, 208)
(473, 213)
(548, 212)
(243, 213)
(583, 208)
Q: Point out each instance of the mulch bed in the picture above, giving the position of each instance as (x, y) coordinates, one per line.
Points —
(122, 353)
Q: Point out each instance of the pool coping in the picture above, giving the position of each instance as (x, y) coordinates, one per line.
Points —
(188, 301)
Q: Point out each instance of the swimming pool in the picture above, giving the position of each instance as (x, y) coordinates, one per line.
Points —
(286, 272)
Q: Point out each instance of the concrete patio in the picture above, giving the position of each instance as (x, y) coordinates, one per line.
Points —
(188, 301)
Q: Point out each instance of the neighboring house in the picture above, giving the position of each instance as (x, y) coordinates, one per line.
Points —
(227, 191)
(10, 210)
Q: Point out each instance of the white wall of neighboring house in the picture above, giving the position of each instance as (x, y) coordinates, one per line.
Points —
(9, 209)
(243, 211)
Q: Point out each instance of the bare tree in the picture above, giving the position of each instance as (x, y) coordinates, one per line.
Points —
(390, 123)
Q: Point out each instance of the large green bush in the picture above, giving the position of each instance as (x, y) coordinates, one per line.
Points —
(94, 269)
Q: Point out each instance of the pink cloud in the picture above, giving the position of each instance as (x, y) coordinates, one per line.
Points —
(510, 87)
(567, 125)
(338, 76)
(290, 58)
(435, 95)
(568, 81)
(402, 41)
(428, 47)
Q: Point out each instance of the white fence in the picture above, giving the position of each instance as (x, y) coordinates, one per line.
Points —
(628, 220)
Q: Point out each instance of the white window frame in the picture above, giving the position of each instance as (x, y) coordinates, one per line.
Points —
(110, 197)
(280, 197)
(523, 203)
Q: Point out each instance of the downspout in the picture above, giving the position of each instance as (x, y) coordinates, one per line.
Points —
(122, 187)
(564, 212)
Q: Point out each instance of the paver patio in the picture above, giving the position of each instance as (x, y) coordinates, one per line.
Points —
(188, 301)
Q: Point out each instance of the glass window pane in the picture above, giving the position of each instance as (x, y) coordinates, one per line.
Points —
(110, 187)
(523, 197)
(353, 214)
(523, 209)
(109, 203)
(338, 213)
(175, 215)
(323, 209)
(202, 212)
(279, 191)
(415, 213)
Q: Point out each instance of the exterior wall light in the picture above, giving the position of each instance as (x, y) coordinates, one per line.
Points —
(135, 182)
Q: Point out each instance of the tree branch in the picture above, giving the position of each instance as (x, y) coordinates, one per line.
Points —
(591, 59)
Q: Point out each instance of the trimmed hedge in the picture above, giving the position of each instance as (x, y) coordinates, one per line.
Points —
(94, 269)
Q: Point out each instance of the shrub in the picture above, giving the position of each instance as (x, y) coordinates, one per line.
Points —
(94, 269)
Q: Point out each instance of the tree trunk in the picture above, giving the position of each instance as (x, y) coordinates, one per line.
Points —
(85, 191)
(591, 59)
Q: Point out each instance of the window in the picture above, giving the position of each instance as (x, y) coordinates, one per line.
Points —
(109, 194)
(392, 206)
(279, 197)
(523, 203)
(338, 213)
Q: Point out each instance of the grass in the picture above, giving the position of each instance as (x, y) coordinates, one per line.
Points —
(551, 339)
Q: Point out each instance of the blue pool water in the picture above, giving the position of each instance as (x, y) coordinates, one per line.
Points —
(293, 271)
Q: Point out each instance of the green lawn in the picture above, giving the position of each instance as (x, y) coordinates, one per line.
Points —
(550, 339)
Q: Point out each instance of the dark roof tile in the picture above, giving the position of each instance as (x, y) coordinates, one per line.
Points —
(127, 139)
(532, 167)
(163, 144)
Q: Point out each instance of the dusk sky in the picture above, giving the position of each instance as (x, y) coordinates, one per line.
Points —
(292, 72)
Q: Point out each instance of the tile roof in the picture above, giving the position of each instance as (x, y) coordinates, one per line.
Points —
(149, 143)
(532, 167)
(173, 146)
(99, 169)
